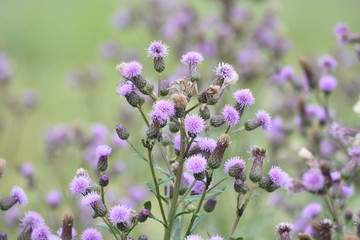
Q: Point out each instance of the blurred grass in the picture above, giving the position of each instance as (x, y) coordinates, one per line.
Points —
(44, 39)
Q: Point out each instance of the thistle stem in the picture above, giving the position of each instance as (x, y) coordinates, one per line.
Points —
(143, 116)
(192, 108)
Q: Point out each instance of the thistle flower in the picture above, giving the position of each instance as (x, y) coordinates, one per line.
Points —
(193, 237)
(287, 73)
(120, 214)
(313, 180)
(194, 125)
(283, 230)
(263, 119)
(27, 169)
(192, 58)
(217, 154)
(312, 210)
(30, 221)
(41, 233)
(91, 234)
(243, 98)
(79, 185)
(17, 195)
(196, 165)
(125, 88)
(341, 32)
(277, 178)
(131, 70)
(224, 71)
(327, 64)
(216, 237)
(327, 84)
(164, 87)
(347, 191)
(217, 120)
(206, 144)
(54, 198)
(102, 152)
(165, 107)
(230, 115)
(142, 237)
(93, 199)
(234, 167)
(158, 50)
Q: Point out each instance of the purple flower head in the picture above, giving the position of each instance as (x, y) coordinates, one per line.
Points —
(216, 237)
(120, 214)
(327, 83)
(90, 199)
(327, 63)
(354, 152)
(138, 193)
(244, 97)
(335, 176)
(5, 71)
(194, 124)
(284, 226)
(54, 198)
(166, 107)
(193, 237)
(287, 73)
(158, 116)
(187, 178)
(79, 185)
(192, 58)
(125, 88)
(199, 187)
(279, 177)
(103, 150)
(196, 164)
(99, 132)
(31, 220)
(157, 49)
(206, 144)
(232, 162)
(312, 210)
(132, 69)
(264, 118)
(27, 169)
(340, 31)
(327, 147)
(177, 142)
(313, 180)
(121, 19)
(224, 71)
(231, 115)
(19, 194)
(347, 191)
(41, 233)
(91, 234)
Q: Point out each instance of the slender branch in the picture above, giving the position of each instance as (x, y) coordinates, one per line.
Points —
(192, 108)
(133, 147)
(218, 183)
(237, 130)
(143, 116)
(110, 227)
(166, 161)
(227, 130)
(187, 192)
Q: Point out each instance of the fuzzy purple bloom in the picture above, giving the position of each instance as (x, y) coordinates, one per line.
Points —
(231, 115)
(91, 234)
(192, 58)
(232, 162)
(90, 199)
(158, 116)
(157, 49)
(312, 210)
(354, 152)
(287, 73)
(335, 176)
(193, 237)
(340, 31)
(32, 220)
(54, 198)
(125, 88)
(132, 69)
(327, 63)
(196, 164)
(279, 177)
(224, 71)
(199, 187)
(120, 214)
(103, 150)
(216, 237)
(27, 169)
(165, 106)
(79, 185)
(347, 191)
(264, 118)
(313, 180)
(244, 97)
(327, 83)
(194, 124)
(187, 178)
(41, 233)
(19, 194)
(206, 144)
(5, 71)
(177, 142)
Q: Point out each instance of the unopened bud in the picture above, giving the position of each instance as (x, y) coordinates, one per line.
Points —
(173, 127)
(240, 187)
(256, 172)
(217, 155)
(159, 64)
(194, 73)
(102, 163)
(210, 205)
(103, 180)
(267, 184)
(143, 215)
(134, 99)
(204, 112)
(164, 87)
(217, 120)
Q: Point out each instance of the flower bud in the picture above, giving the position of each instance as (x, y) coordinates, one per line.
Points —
(122, 132)
(217, 155)
(103, 180)
(153, 131)
(159, 64)
(143, 215)
(256, 172)
(194, 73)
(173, 127)
(7, 203)
(240, 187)
(200, 176)
(139, 81)
(210, 205)
(237, 172)
(67, 227)
(252, 124)
(3, 236)
(204, 112)
(217, 120)
(2, 166)
(325, 229)
(348, 215)
(149, 87)
(304, 236)
(267, 184)
(142, 237)
(164, 87)
(134, 99)
(102, 164)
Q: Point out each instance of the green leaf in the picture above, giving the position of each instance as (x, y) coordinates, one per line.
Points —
(198, 220)
(141, 157)
(153, 190)
(210, 195)
(239, 238)
(176, 230)
(182, 213)
(158, 220)
(161, 170)
(103, 225)
(166, 180)
(147, 205)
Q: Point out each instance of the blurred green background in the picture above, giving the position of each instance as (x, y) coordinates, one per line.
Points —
(45, 38)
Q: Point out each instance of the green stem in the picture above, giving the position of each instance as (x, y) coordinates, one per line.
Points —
(158, 196)
(192, 108)
(133, 147)
(227, 130)
(218, 183)
(110, 227)
(143, 116)
(187, 192)
(237, 130)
